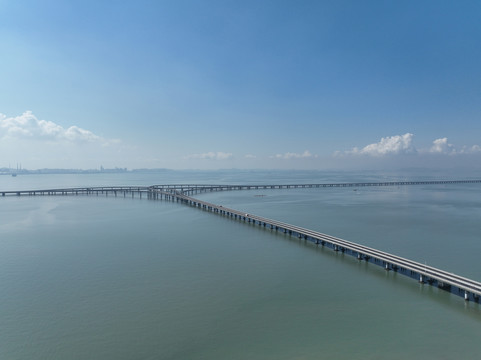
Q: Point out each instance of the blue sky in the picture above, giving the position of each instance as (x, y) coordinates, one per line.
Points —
(240, 84)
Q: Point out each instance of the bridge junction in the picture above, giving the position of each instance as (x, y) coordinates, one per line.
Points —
(458, 285)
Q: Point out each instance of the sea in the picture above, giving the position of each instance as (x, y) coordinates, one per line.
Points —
(105, 277)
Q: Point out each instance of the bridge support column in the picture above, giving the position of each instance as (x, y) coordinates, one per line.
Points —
(466, 296)
(421, 279)
(386, 267)
(359, 256)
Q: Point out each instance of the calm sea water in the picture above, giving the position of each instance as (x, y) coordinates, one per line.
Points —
(121, 278)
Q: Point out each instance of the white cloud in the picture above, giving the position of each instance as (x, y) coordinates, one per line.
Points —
(287, 156)
(474, 149)
(27, 126)
(211, 156)
(441, 146)
(468, 150)
(397, 144)
(403, 144)
(250, 156)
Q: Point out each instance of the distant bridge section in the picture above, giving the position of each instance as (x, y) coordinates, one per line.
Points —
(198, 188)
(194, 189)
(99, 190)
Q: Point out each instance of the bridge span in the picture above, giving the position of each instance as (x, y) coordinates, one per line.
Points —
(198, 188)
(458, 285)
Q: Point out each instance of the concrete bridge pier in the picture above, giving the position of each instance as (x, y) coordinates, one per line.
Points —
(359, 256)
(466, 296)
(421, 278)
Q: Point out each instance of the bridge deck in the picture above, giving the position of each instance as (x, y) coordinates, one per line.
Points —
(469, 289)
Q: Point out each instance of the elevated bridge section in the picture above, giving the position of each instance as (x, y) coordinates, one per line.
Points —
(458, 285)
(467, 288)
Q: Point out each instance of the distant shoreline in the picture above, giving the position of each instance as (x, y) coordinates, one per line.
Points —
(10, 172)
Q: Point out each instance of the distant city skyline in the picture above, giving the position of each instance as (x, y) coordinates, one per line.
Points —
(249, 85)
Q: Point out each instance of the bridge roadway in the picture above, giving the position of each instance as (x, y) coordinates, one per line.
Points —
(99, 190)
(194, 189)
(469, 289)
(197, 188)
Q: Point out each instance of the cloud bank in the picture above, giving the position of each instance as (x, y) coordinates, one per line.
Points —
(403, 144)
(441, 146)
(288, 156)
(28, 126)
(211, 156)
